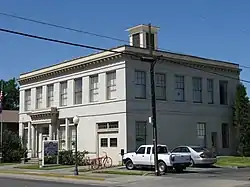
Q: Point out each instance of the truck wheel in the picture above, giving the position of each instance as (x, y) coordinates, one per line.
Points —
(162, 167)
(129, 165)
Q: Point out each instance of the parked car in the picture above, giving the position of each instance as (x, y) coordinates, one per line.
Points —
(144, 157)
(199, 155)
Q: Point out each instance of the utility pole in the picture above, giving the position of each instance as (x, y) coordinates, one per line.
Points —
(152, 60)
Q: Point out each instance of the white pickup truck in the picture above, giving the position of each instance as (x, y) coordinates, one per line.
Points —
(144, 157)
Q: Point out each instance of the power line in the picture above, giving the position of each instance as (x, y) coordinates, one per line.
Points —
(82, 31)
(65, 42)
(61, 27)
(103, 49)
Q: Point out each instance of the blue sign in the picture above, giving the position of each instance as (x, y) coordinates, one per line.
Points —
(50, 148)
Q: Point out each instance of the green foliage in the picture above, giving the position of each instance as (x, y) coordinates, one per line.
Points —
(11, 94)
(241, 120)
(68, 157)
(13, 150)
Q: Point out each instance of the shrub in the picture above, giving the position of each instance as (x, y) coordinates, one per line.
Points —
(68, 157)
(12, 148)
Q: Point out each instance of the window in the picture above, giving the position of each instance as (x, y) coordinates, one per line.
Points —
(160, 83)
(160, 150)
(148, 150)
(104, 142)
(63, 93)
(113, 142)
(197, 89)
(179, 88)
(177, 150)
(136, 40)
(210, 91)
(152, 40)
(39, 97)
(102, 126)
(111, 85)
(141, 150)
(78, 91)
(141, 133)
(27, 104)
(62, 137)
(225, 135)
(201, 134)
(113, 125)
(223, 92)
(93, 88)
(50, 95)
(72, 136)
(140, 84)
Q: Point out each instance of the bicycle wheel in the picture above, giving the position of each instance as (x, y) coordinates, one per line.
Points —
(107, 162)
(94, 164)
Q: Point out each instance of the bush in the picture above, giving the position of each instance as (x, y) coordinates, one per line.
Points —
(68, 157)
(12, 148)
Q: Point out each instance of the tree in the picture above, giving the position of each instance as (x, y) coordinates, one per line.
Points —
(11, 94)
(241, 120)
(13, 150)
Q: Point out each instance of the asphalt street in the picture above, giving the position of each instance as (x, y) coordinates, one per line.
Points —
(10, 182)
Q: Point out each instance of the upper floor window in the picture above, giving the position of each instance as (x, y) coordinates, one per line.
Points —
(197, 89)
(152, 40)
(93, 88)
(140, 84)
(50, 95)
(27, 100)
(111, 85)
(160, 84)
(223, 92)
(210, 91)
(63, 93)
(179, 88)
(136, 40)
(39, 97)
(78, 91)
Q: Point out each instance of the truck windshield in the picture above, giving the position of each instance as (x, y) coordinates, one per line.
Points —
(161, 150)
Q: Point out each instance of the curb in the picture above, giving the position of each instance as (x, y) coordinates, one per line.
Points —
(81, 177)
(234, 167)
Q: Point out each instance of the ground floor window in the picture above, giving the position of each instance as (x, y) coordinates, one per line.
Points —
(201, 134)
(62, 138)
(225, 135)
(72, 137)
(140, 133)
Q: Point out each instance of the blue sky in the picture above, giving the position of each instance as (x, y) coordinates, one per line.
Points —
(208, 28)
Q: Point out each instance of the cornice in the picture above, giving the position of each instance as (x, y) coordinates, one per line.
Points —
(66, 70)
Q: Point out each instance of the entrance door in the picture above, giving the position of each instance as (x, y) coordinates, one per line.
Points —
(109, 143)
(214, 141)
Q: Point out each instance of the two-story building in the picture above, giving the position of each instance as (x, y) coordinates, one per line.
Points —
(110, 92)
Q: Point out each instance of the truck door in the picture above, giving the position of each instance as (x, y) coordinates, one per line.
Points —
(139, 157)
(147, 157)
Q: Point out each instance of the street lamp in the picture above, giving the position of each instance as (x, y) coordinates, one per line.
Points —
(76, 122)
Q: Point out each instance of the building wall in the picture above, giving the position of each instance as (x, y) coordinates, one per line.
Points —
(177, 121)
(89, 113)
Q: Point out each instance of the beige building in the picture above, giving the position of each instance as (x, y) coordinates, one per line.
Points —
(110, 92)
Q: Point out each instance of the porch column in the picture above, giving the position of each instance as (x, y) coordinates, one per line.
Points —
(50, 132)
(67, 134)
(33, 140)
(40, 144)
(29, 136)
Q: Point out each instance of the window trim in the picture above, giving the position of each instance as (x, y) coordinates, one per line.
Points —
(144, 85)
(93, 92)
(39, 97)
(197, 89)
(210, 90)
(111, 88)
(181, 88)
(63, 96)
(78, 91)
(163, 87)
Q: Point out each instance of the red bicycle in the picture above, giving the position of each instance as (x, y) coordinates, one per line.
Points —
(103, 162)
